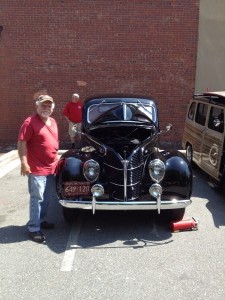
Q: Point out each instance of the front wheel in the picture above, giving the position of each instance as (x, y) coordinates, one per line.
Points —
(69, 214)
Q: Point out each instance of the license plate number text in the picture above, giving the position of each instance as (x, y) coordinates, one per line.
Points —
(76, 188)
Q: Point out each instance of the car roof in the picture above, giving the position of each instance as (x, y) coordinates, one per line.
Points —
(219, 93)
(119, 96)
(212, 97)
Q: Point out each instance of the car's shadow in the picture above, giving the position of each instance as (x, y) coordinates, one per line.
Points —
(113, 229)
(202, 188)
(105, 229)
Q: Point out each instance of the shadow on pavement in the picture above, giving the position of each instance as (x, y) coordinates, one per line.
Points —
(13, 234)
(136, 229)
(103, 230)
(215, 200)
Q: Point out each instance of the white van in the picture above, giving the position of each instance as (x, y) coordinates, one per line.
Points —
(204, 132)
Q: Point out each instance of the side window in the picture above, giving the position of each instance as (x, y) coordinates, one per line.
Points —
(201, 113)
(191, 111)
(216, 119)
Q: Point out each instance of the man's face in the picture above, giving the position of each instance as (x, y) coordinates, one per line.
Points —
(45, 109)
(75, 99)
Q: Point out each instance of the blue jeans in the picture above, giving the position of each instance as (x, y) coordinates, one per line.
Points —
(41, 189)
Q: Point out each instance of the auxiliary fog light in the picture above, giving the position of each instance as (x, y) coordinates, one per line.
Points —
(97, 190)
(155, 190)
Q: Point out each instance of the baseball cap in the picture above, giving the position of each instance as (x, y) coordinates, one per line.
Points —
(43, 98)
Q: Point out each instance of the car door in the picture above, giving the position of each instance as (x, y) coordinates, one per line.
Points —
(212, 141)
(198, 131)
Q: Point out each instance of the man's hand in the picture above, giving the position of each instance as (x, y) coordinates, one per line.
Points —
(67, 119)
(22, 151)
(25, 169)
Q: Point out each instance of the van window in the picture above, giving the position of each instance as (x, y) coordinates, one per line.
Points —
(216, 119)
(201, 114)
(191, 111)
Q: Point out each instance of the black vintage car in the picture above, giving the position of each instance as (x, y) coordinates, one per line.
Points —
(119, 165)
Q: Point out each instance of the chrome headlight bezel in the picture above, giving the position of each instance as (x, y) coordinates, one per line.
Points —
(156, 170)
(91, 170)
(155, 190)
(97, 190)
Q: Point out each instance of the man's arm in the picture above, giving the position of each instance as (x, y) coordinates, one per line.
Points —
(22, 151)
(66, 112)
(68, 120)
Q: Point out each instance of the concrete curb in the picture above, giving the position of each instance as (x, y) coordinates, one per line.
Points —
(7, 157)
(6, 168)
(10, 160)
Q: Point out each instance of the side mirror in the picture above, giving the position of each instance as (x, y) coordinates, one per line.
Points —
(216, 122)
(169, 127)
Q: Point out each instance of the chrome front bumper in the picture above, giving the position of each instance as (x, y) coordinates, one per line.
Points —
(134, 205)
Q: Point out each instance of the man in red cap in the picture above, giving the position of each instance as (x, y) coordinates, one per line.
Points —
(38, 151)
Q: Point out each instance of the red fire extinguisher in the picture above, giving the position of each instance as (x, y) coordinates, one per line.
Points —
(184, 225)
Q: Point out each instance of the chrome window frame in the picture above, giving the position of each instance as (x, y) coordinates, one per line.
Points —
(92, 107)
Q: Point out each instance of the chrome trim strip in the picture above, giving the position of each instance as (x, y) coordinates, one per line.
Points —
(123, 185)
(113, 167)
(122, 169)
(93, 204)
(124, 111)
(122, 200)
(125, 162)
(158, 203)
(133, 205)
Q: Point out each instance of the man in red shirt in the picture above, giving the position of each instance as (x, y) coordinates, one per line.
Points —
(73, 114)
(38, 151)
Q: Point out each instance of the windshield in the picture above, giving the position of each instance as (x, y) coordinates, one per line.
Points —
(96, 110)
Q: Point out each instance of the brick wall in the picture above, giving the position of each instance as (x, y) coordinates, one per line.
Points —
(96, 46)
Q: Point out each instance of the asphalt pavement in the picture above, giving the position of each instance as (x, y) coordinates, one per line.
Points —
(112, 255)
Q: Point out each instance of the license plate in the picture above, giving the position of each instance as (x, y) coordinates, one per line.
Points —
(76, 188)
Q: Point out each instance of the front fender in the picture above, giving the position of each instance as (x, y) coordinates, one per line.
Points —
(72, 170)
(178, 175)
(70, 165)
(68, 169)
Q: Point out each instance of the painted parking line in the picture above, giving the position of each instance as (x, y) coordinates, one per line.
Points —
(71, 247)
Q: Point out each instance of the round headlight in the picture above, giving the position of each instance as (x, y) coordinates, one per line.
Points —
(91, 170)
(156, 170)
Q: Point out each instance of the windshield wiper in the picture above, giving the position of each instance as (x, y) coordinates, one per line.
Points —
(103, 101)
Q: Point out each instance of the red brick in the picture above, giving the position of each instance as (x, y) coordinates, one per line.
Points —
(147, 47)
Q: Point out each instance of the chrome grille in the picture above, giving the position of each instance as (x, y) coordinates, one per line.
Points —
(115, 173)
